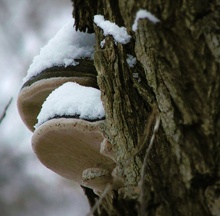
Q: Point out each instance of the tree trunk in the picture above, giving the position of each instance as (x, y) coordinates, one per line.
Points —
(176, 79)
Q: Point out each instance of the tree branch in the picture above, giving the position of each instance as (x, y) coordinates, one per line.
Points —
(5, 110)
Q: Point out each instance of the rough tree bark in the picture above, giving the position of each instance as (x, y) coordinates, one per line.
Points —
(177, 77)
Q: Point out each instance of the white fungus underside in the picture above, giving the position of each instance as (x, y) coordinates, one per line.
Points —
(72, 99)
(62, 50)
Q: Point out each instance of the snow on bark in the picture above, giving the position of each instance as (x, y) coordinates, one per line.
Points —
(131, 60)
(119, 34)
(144, 14)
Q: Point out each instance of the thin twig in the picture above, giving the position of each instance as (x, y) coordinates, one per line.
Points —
(109, 186)
(146, 134)
(99, 201)
(5, 110)
(156, 127)
(147, 130)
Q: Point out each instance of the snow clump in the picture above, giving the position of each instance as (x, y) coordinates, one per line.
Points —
(72, 99)
(143, 14)
(131, 60)
(119, 34)
(62, 50)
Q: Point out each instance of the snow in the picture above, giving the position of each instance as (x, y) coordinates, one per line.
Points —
(119, 34)
(62, 50)
(102, 43)
(144, 14)
(136, 76)
(72, 99)
(131, 60)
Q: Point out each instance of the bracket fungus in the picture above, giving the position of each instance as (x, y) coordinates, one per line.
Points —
(71, 146)
(96, 178)
(68, 138)
(35, 91)
(68, 56)
(60, 102)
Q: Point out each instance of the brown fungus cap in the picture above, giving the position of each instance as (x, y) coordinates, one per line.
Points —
(71, 146)
(35, 91)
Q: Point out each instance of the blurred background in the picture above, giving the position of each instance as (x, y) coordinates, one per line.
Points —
(26, 186)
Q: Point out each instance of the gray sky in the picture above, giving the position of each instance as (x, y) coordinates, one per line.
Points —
(25, 27)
